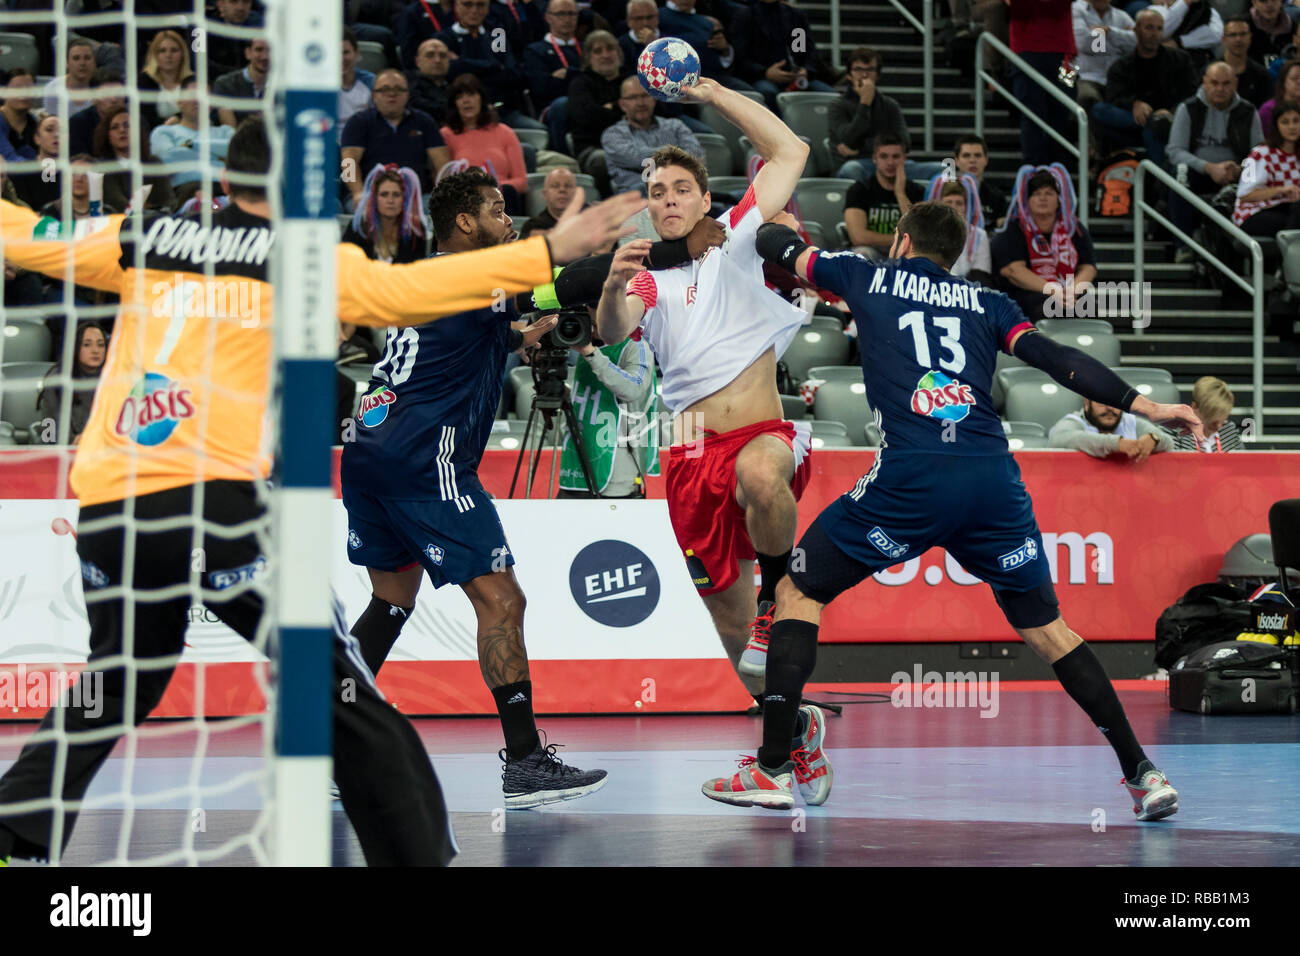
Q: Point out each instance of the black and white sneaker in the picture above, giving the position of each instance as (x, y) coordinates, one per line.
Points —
(542, 778)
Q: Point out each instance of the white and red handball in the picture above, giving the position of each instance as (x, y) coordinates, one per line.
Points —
(666, 67)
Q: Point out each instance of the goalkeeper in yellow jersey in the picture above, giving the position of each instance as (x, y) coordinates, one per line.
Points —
(179, 430)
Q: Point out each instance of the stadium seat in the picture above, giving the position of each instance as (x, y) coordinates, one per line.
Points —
(1021, 442)
(749, 152)
(717, 154)
(841, 401)
(1156, 384)
(19, 50)
(1090, 326)
(1002, 361)
(822, 201)
(808, 114)
(507, 435)
(7, 434)
(728, 185)
(20, 386)
(815, 346)
(539, 138)
(1288, 244)
(521, 383)
(871, 435)
(822, 428)
(26, 340)
(1103, 347)
(836, 373)
(1023, 429)
(370, 56)
(1165, 393)
(1014, 374)
(816, 236)
(832, 440)
(1045, 403)
(793, 408)
(723, 127)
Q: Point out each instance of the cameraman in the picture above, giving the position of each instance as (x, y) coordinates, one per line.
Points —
(615, 404)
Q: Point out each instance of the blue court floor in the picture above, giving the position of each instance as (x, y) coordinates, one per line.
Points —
(1033, 785)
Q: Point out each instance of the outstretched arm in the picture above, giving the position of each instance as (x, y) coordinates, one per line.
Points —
(94, 257)
(784, 154)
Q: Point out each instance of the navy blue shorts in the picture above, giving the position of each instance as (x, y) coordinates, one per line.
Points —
(455, 541)
(976, 508)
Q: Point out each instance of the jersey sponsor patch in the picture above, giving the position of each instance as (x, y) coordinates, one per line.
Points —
(374, 407)
(885, 544)
(938, 396)
(435, 554)
(1022, 555)
(229, 577)
(354, 539)
(153, 409)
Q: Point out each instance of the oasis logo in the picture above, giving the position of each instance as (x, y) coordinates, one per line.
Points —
(374, 407)
(153, 409)
(614, 583)
(938, 396)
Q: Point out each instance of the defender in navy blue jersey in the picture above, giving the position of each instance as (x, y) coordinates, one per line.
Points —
(415, 503)
(944, 477)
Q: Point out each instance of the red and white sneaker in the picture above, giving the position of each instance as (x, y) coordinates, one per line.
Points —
(1153, 797)
(752, 786)
(812, 768)
(753, 661)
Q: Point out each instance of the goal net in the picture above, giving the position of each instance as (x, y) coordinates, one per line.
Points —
(233, 766)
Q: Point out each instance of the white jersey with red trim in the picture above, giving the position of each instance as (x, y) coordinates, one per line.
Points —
(712, 318)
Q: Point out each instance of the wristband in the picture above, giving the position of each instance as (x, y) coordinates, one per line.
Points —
(779, 244)
(514, 341)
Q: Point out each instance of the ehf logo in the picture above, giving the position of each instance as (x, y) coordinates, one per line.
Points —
(374, 407)
(885, 544)
(354, 539)
(938, 396)
(1022, 555)
(153, 409)
(435, 554)
(614, 583)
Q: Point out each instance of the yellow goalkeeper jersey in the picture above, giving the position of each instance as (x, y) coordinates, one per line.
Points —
(183, 395)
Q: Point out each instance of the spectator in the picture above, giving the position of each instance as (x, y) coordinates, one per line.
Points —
(248, 83)
(226, 53)
(429, 80)
(17, 128)
(420, 20)
(557, 192)
(1042, 35)
(718, 58)
(83, 123)
(1212, 133)
(976, 259)
(630, 142)
(357, 88)
(1268, 193)
(373, 21)
(1289, 52)
(183, 141)
(1101, 431)
(554, 61)
(1143, 89)
(522, 20)
(1043, 253)
(874, 206)
(1192, 25)
(113, 142)
(775, 50)
(389, 223)
(473, 133)
(390, 132)
(593, 98)
(166, 65)
(971, 155)
(1212, 401)
(477, 52)
(642, 27)
(36, 188)
(678, 18)
(1287, 88)
(862, 115)
(1254, 84)
(81, 67)
(87, 362)
(1102, 34)
(1269, 29)
(81, 208)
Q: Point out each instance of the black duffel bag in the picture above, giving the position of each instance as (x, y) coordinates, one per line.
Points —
(1206, 614)
(1235, 677)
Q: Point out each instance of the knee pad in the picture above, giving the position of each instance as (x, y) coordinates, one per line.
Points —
(1036, 607)
(791, 655)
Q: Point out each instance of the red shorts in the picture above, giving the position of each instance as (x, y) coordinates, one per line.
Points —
(709, 525)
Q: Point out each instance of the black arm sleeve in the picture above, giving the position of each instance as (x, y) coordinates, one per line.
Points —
(1075, 370)
(580, 282)
(666, 253)
(779, 245)
(515, 340)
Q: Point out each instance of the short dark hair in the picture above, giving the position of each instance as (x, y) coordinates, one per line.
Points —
(11, 75)
(106, 76)
(1239, 18)
(1274, 137)
(864, 54)
(676, 156)
(887, 139)
(468, 83)
(1040, 179)
(79, 41)
(970, 139)
(249, 152)
(99, 140)
(350, 36)
(458, 193)
(938, 232)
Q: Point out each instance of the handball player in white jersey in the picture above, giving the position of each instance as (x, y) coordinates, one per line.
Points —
(736, 468)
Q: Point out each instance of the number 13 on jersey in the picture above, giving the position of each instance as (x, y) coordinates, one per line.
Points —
(950, 327)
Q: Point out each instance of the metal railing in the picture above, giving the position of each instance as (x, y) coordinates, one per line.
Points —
(926, 26)
(1079, 150)
(836, 51)
(1211, 215)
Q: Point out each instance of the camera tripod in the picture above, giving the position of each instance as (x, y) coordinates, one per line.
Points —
(552, 396)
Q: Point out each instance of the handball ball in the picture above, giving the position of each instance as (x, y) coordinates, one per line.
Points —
(666, 67)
